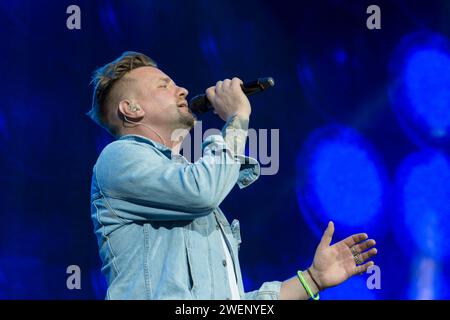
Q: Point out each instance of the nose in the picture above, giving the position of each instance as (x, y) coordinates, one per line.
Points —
(183, 92)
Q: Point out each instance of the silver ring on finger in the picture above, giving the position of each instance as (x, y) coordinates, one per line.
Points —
(358, 259)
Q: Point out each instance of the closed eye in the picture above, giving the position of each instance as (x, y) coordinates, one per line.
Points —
(164, 82)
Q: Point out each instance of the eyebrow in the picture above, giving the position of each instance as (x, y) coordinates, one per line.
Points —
(165, 79)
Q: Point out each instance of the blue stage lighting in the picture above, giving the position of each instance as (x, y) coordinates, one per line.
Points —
(210, 49)
(427, 78)
(109, 21)
(340, 56)
(423, 183)
(3, 130)
(354, 288)
(428, 280)
(420, 87)
(99, 284)
(340, 179)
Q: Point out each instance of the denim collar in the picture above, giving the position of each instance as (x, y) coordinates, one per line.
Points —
(134, 137)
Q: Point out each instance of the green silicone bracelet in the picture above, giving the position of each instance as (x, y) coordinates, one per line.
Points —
(306, 286)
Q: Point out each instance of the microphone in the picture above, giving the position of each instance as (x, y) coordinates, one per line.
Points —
(200, 103)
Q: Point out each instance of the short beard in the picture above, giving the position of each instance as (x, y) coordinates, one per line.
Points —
(186, 119)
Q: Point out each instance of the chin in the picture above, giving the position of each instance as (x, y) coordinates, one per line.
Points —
(187, 119)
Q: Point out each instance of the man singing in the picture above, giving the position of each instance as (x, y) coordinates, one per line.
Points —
(160, 231)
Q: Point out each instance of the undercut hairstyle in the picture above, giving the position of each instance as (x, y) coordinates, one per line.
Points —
(107, 78)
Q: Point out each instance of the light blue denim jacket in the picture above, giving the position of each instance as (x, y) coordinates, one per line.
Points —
(158, 222)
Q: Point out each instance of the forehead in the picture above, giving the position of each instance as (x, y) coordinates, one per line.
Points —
(147, 74)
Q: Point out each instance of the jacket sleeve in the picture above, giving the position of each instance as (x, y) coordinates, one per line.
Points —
(268, 291)
(143, 184)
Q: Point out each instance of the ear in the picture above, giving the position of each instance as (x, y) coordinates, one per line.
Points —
(130, 109)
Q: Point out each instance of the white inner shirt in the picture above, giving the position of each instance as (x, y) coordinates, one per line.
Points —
(230, 271)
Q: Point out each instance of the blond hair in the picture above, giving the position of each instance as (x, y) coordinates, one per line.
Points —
(104, 80)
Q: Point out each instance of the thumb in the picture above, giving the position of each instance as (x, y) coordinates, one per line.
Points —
(327, 235)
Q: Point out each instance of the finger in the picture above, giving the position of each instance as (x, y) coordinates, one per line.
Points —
(226, 84)
(363, 268)
(236, 83)
(219, 85)
(210, 93)
(354, 239)
(327, 235)
(363, 246)
(369, 254)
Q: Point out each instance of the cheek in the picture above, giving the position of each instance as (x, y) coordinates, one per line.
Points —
(161, 107)
(163, 98)
(154, 101)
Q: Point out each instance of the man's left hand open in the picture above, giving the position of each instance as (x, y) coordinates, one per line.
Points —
(333, 264)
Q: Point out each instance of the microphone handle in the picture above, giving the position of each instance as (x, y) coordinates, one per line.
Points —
(200, 103)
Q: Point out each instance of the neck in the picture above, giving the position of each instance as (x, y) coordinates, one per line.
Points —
(172, 139)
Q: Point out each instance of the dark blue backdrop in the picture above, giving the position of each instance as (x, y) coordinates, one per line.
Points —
(363, 117)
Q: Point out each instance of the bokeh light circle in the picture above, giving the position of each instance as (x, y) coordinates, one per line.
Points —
(341, 179)
(423, 188)
(420, 87)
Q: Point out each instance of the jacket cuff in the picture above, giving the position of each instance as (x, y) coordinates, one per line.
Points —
(249, 172)
(268, 291)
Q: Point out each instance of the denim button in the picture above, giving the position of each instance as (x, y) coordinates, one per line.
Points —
(224, 262)
(245, 181)
(217, 227)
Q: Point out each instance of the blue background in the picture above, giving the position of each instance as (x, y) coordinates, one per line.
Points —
(364, 120)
